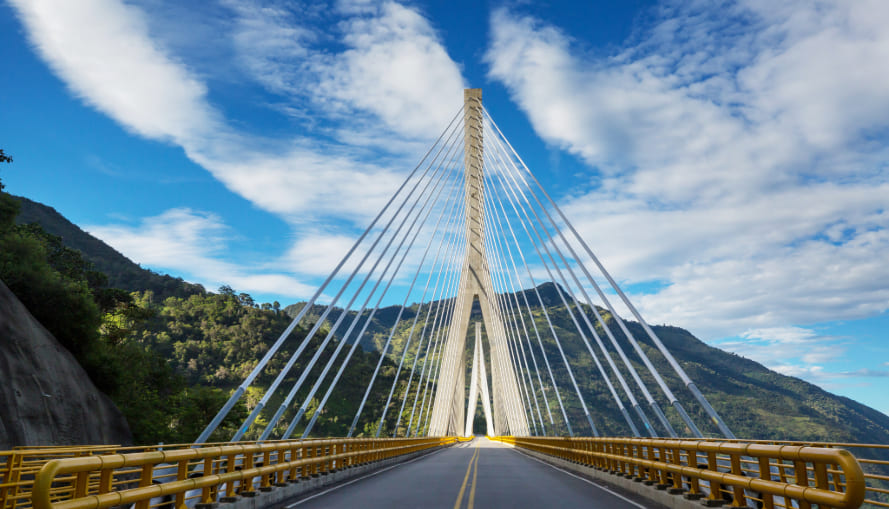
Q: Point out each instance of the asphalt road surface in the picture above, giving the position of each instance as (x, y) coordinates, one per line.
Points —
(481, 473)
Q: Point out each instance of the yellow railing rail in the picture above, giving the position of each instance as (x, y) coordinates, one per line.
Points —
(198, 474)
(19, 466)
(735, 471)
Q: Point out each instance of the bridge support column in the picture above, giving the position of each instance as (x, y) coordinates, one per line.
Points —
(475, 282)
(478, 387)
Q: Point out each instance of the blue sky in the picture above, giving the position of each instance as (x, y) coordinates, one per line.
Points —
(728, 161)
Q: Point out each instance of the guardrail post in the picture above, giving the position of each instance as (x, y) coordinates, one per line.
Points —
(694, 485)
(663, 475)
(306, 469)
(662, 453)
(265, 481)
(802, 479)
(740, 498)
(325, 453)
(181, 474)
(821, 476)
(105, 478)
(231, 488)
(208, 493)
(247, 481)
(650, 473)
(348, 447)
(715, 487)
(144, 480)
(765, 472)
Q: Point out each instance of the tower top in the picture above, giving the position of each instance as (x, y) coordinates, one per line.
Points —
(472, 93)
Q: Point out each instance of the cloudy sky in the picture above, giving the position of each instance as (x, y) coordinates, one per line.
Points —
(728, 161)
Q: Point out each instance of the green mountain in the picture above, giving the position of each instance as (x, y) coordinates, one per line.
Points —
(757, 403)
(213, 340)
(122, 272)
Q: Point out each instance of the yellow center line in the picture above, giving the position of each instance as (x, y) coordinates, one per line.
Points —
(474, 477)
(466, 479)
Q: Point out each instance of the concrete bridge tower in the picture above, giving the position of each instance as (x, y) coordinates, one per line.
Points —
(448, 411)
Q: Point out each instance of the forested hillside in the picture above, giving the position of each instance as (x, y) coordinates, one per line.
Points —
(214, 341)
(756, 402)
(122, 272)
(169, 353)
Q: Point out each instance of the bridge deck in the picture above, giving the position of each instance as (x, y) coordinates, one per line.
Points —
(480, 473)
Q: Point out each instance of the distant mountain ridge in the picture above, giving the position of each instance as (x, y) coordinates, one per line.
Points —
(757, 403)
(122, 272)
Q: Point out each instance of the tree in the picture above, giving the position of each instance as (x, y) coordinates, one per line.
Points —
(9, 207)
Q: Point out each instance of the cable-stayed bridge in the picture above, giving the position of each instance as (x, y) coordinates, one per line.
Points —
(470, 228)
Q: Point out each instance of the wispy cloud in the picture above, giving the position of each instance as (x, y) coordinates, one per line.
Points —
(863, 373)
(734, 155)
(192, 243)
(776, 346)
(368, 102)
(391, 66)
(101, 50)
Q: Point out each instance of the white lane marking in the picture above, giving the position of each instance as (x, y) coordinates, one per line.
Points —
(603, 488)
(343, 485)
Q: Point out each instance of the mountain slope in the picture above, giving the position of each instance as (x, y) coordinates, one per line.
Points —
(122, 272)
(756, 402)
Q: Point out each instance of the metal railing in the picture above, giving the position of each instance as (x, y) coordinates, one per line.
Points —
(19, 467)
(763, 474)
(874, 461)
(96, 478)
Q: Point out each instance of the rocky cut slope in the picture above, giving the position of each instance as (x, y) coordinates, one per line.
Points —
(46, 397)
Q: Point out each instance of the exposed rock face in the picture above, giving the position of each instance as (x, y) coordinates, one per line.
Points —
(46, 398)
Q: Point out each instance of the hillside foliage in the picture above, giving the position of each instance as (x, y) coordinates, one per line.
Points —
(169, 353)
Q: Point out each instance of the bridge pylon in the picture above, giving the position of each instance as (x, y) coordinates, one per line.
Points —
(448, 411)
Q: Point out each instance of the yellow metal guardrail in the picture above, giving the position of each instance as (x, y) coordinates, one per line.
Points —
(768, 474)
(19, 467)
(82, 479)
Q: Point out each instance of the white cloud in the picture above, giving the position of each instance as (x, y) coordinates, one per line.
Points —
(101, 50)
(392, 83)
(104, 52)
(735, 152)
(806, 354)
(390, 69)
(319, 253)
(192, 243)
(396, 68)
(782, 343)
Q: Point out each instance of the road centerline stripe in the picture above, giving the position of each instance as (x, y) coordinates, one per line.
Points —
(465, 480)
(474, 477)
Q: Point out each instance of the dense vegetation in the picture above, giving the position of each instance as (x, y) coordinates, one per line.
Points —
(756, 402)
(215, 340)
(92, 320)
(169, 353)
(121, 271)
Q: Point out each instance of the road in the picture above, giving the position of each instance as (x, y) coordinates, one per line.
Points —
(480, 473)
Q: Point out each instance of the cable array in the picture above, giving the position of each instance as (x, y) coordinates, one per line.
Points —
(420, 250)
